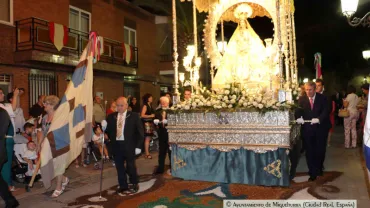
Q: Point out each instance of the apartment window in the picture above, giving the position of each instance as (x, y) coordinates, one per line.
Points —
(130, 36)
(79, 19)
(6, 83)
(41, 84)
(6, 11)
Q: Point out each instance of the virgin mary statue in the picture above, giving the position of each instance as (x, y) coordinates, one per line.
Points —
(244, 60)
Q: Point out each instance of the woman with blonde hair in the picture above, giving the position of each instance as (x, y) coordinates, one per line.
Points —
(51, 103)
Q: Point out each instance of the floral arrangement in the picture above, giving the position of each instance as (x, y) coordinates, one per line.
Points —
(232, 98)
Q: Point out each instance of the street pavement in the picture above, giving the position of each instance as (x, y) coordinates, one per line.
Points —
(84, 181)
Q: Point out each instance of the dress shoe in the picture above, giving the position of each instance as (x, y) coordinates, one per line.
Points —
(123, 191)
(12, 203)
(135, 188)
(312, 178)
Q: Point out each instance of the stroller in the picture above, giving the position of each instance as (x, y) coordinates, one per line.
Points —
(93, 150)
(19, 170)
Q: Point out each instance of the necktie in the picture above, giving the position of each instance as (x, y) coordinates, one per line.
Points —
(120, 125)
(311, 102)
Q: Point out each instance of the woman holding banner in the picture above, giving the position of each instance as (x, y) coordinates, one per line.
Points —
(50, 105)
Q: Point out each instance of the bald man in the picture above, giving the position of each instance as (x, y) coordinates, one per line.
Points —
(126, 132)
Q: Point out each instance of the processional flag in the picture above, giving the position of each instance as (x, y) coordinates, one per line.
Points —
(72, 122)
(367, 139)
(318, 65)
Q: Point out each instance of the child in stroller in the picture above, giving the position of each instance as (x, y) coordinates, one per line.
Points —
(26, 155)
(97, 143)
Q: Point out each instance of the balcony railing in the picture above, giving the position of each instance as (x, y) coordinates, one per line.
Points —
(33, 34)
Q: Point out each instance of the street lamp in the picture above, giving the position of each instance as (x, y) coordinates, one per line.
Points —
(366, 54)
(349, 8)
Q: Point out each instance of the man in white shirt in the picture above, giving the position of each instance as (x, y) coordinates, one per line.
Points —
(126, 132)
(313, 115)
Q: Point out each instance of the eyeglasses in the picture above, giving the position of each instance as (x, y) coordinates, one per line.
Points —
(45, 103)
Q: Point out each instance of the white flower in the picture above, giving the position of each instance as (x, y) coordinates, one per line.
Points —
(259, 99)
(227, 92)
(260, 106)
(263, 101)
(242, 98)
(233, 97)
(255, 104)
(232, 101)
(278, 104)
(295, 92)
(197, 100)
(225, 98)
(230, 106)
(187, 107)
(219, 97)
(241, 102)
(227, 101)
(209, 103)
(243, 92)
(297, 98)
(194, 105)
(224, 105)
(227, 86)
(245, 104)
(173, 108)
(250, 99)
(179, 106)
(200, 104)
(236, 89)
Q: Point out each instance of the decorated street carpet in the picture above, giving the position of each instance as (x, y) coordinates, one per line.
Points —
(167, 192)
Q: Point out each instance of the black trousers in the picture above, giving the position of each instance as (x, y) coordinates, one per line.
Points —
(164, 148)
(315, 146)
(5, 193)
(121, 155)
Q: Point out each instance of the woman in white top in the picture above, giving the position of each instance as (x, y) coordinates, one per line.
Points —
(350, 122)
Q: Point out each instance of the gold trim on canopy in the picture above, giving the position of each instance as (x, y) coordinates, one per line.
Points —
(204, 5)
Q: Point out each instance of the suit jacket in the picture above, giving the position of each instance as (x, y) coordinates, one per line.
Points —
(133, 130)
(4, 125)
(320, 110)
(329, 99)
(162, 130)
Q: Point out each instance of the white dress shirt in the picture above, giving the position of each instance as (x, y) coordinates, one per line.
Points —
(122, 137)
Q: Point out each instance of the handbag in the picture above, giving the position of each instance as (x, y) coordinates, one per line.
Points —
(343, 113)
(148, 127)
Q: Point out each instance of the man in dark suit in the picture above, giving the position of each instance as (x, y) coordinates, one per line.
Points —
(9, 199)
(313, 108)
(161, 121)
(320, 88)
(126, 132)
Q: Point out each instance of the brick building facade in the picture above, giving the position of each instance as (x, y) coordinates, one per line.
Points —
(30, 61)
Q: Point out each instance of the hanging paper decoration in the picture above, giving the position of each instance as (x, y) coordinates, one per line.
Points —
(318, 65)
(58, 35)
(128, 52)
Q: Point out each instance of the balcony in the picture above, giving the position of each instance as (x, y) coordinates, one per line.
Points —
(32, 34)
